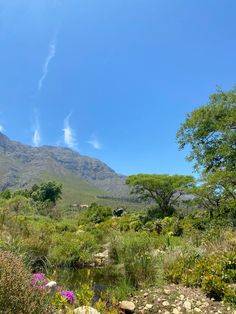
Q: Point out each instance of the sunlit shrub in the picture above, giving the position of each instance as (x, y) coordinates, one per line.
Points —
(212, 273)
(133, 250)
(70, 249)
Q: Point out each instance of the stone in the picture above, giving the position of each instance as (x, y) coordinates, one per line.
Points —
(148, 306)
(102, 259)
(127, 306)
(176, 311)
(166, 291)
(118, 212)
(165, 303)
(187, 305)
(197, 310)
(85, 310)
(182, 297)
(51, 287)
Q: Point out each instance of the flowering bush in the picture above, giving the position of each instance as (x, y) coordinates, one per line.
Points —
(16, 293)
(60, 298)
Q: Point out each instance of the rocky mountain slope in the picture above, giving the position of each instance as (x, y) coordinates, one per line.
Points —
(22, 165)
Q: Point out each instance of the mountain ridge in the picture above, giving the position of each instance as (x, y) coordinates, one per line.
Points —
(22, 165)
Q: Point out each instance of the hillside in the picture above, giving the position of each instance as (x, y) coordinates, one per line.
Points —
(83, 177)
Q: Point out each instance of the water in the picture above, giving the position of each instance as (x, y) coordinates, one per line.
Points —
(98, 278)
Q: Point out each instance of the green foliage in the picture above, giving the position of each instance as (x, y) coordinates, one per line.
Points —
(164, 189)
(70, 249)
(133, 250)
(212, 273)
(211, 132)
(6, 194)
(85, 295)
(50, 191)
(96, 214)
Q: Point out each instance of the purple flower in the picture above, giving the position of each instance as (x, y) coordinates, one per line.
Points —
(69, 295)
(38, 277)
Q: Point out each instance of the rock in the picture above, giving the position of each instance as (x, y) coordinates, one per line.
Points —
(182, 297)
(51, 286)
(197, 310)
(127, 306)
(85, 310)
(145, 294)
(148, 306)
(176, 311)
(166, 291)
(187, 305)
(118, 212)
(102, 259)
(165, 303)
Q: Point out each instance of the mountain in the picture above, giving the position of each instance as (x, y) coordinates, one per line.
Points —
(84, 178)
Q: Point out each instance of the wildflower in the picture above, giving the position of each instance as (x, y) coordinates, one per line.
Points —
(38, 277)
(69, 296)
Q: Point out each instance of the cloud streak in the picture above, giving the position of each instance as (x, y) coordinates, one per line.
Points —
(69, 137)
(2, 129)
(36, 133)
(50, 56)
(36, 138)
(95, 142)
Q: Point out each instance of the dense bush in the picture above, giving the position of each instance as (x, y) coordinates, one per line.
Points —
(212, 273)
(70, 249)
(16, 293)
(95, 214)
(134, 251)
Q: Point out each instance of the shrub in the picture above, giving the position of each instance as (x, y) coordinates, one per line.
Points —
(95, 214)
(16, 292)
(212, 273)
(70, 249)
(133, 250)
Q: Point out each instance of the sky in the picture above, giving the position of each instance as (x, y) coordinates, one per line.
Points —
(113, 79)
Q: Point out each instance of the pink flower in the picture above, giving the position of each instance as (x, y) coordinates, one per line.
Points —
(69, 295)
(38, 277)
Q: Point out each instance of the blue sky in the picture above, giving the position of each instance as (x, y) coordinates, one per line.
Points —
(112, 79)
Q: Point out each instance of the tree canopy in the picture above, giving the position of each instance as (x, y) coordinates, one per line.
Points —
(164, 189)
(211, 133)
(46, 191)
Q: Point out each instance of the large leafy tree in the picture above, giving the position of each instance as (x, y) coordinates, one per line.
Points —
(50, 191)
(163, 189)
(211, 133)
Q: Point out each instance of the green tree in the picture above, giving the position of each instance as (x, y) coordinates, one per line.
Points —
(211, 133)
(163, 189)
(50, 191)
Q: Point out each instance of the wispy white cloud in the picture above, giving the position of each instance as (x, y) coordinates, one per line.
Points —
(2, 129)
(95, 142)
(50, 56)
(36, 130)
(36, 138)
(69, 137)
